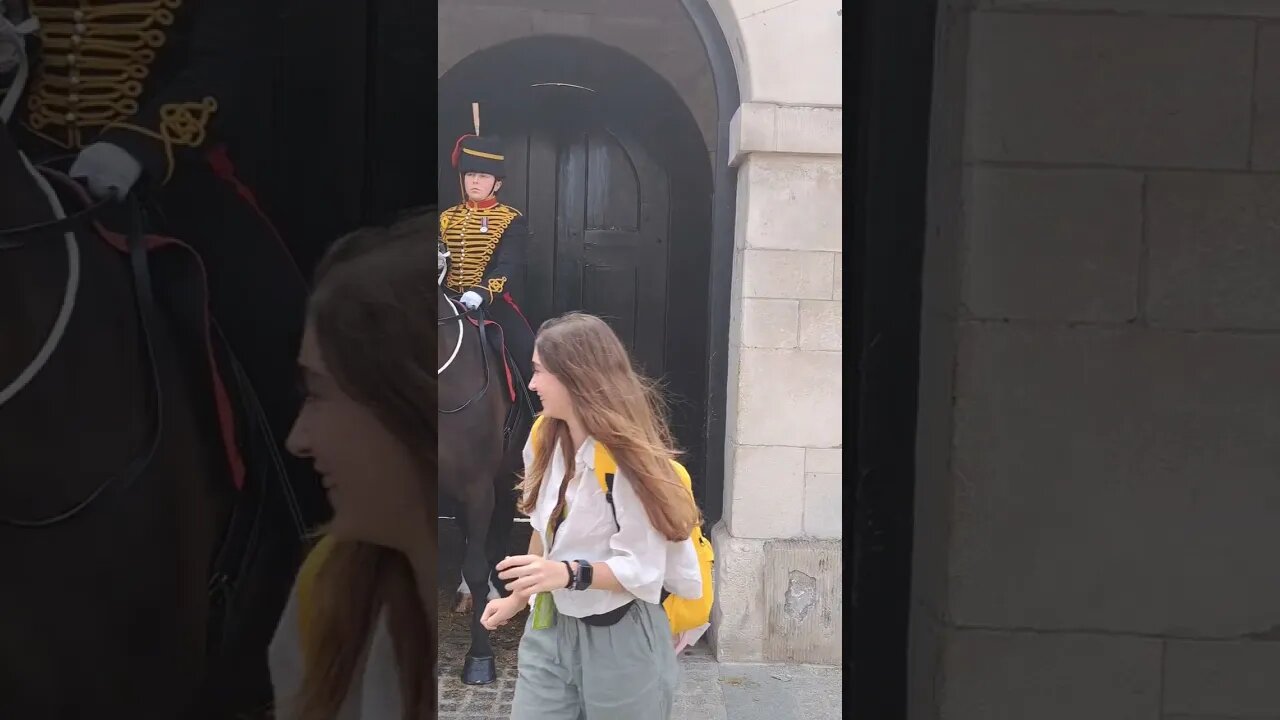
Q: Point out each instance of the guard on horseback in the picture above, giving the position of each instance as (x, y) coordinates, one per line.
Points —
(487, 241)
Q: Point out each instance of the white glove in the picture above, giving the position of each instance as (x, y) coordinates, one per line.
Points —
(108, 169)
(471, 299)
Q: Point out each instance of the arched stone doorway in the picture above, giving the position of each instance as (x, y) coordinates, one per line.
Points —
(613, 172)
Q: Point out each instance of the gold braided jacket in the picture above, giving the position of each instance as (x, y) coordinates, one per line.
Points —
(473, 233)
(103, 72)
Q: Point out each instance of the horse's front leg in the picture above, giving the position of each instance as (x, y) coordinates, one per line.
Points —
(462, 602)
(479, 667)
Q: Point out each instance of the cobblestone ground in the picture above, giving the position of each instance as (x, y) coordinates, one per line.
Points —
(458, 700)
(708, 690)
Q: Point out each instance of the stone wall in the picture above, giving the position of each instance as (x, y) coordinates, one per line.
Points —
(1099, 422)
(780, 559)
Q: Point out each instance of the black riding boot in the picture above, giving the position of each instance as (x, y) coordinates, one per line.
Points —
(518, 337)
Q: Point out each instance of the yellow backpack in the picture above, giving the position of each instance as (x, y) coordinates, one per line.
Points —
(683, 613)
(306, 595)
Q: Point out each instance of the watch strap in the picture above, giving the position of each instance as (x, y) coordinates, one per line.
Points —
(585, 575)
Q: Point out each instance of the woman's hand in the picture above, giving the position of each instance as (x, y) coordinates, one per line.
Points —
(529, 574)
(500, 610)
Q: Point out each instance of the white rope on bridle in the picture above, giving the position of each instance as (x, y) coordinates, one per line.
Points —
(442, 264)
(68, 295)
(13, 50)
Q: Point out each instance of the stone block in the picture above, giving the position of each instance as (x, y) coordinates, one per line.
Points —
(1266, 118)
(789, 397)
(752, 129)
(777, 38)
(1110, 89)
(765, 128)
(933, 514)
(804, 601)
(766, 492)
(738, 615)
(789, 274)
(823, 460)
(1214, 258)
(1193, 8)
(770, 323)
(1235, 678)
(1053, 245)
(795, 202)
(1180, 716)
(821, 325)
(1018, 676)
(1115, 479)
(542, 22)
(465, 30)
(837, 283)
(810, 130)
(823, 510)
(924, 658)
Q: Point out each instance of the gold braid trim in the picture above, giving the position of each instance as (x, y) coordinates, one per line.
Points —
(94, 61)
(471, 249)
(181, 124)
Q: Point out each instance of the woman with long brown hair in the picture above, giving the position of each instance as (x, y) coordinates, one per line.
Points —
(357, 638)
(597, 644)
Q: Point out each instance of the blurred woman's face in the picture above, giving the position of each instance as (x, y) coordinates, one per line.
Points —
(369, 476)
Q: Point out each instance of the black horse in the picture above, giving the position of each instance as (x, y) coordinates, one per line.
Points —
(483, 426)
(148, 535)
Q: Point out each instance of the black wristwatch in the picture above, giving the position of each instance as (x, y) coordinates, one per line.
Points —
(582, 579)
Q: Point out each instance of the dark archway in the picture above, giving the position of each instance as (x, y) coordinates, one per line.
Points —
(724, 208)
(617, 185)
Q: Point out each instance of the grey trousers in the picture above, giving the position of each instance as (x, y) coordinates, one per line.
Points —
(573, 671)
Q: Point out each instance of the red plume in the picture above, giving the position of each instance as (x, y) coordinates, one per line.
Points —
(457, 149)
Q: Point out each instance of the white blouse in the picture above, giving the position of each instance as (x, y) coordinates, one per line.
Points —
(375, 689)
(642, 559)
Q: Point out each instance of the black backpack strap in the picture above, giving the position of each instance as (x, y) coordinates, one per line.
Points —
(608, 495)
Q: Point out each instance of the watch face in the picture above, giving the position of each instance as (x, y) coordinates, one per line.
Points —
(585, 572)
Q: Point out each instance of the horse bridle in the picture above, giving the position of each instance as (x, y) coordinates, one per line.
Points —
(442, 253)
(148, 322)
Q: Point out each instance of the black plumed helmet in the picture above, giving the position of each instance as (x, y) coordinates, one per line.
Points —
(473, 153)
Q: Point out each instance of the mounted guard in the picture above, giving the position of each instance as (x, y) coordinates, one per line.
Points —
(488, 241)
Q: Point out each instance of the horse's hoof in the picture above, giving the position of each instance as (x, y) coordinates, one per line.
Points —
(479, 671)
(462, 603)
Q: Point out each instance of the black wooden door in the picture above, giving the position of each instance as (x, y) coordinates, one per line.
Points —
(598, 207)
(350, 121)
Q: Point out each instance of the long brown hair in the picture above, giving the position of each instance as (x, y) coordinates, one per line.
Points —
(373, 312)
(620, 409)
